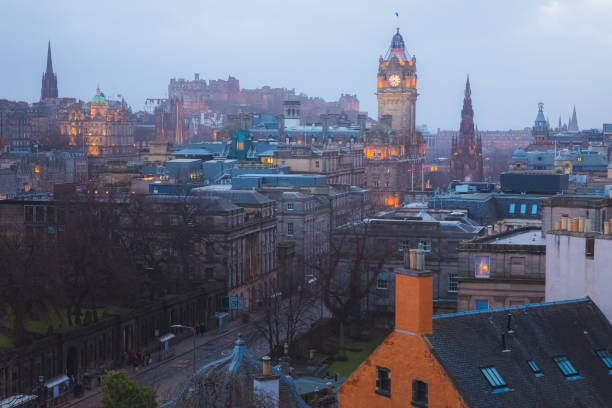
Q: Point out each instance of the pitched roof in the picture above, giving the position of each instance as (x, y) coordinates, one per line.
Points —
(231, 381)
(466, 342)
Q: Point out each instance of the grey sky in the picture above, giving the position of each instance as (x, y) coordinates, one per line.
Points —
(517, 52)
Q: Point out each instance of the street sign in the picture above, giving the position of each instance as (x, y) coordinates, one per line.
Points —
(236, 303)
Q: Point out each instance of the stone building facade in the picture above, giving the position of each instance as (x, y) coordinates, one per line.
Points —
(339, 166)
(242, 243)
(438, 233)
(100, 128)
(501, 270)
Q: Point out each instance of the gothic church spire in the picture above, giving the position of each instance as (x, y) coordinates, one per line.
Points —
(49, 79)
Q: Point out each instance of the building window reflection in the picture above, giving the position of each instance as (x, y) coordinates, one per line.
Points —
(482, 267)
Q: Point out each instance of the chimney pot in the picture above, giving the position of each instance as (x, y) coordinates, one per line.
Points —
(413, 259)
(266, 365)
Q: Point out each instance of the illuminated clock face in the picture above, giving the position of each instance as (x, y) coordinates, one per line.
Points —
(394, 80)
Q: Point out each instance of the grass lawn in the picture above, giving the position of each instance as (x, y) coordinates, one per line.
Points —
(5, 341)
(49, 318)
(354, 358)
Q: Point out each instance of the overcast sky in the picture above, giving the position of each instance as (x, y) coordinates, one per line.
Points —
(517, 52)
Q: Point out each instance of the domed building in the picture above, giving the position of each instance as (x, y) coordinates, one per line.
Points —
(518, 162)
(101, 127)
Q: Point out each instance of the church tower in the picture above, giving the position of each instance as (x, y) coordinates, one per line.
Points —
(466, 161)
(397, 86)
(49, 79)
(541, 128)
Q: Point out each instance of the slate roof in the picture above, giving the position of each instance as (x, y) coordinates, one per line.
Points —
(230, 382)
(466, 342)
(238, 197)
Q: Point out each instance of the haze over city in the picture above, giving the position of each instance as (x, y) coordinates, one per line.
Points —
(340, 204)
(517, 53)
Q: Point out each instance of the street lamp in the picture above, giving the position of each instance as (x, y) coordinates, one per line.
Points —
(182, 326)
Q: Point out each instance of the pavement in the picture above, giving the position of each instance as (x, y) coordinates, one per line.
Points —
(167, 377)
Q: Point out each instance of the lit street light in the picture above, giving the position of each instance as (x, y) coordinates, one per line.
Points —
(182, 326)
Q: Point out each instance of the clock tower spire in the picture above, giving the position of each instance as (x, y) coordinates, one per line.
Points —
(397, 86)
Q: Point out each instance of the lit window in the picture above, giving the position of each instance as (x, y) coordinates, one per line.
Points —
(606, 358)
(419, 393)
(493, 377)
(382, 282)
(534, 209)
(535, 368)
(523, 208)
(290, 228)
(566, 367)
(482, 267)
(290, 206)
(482, 305)
(452, 282)
(383, 381)
(511, 209)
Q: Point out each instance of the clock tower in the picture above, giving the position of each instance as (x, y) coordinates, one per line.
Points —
(397, 86)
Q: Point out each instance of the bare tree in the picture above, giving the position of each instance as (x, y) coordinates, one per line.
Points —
(285, 315)
(349, 271)
(26, 278)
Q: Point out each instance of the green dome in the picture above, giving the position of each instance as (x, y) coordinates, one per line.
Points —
(98, 97)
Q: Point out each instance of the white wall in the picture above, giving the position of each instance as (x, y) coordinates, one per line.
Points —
(570, 275)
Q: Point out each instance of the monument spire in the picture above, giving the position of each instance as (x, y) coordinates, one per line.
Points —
(466, 159)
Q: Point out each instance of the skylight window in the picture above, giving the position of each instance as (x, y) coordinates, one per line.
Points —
(566, 367)
(535, 368)
(493, 377)
(606, 358)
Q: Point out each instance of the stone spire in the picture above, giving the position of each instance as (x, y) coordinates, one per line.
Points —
(49, 61)
(573, 122)
(49, 79)
(466, 161)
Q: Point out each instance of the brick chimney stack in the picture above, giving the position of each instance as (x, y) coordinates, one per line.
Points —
(414, 295)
